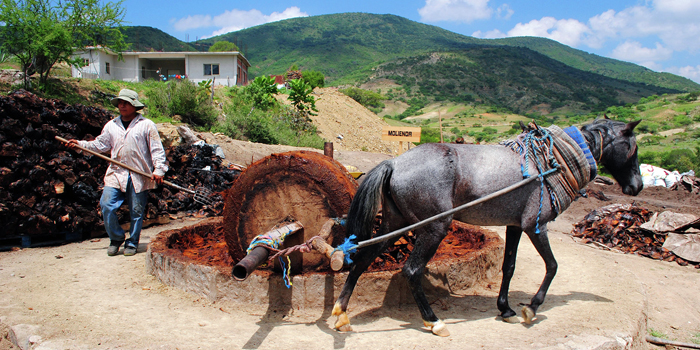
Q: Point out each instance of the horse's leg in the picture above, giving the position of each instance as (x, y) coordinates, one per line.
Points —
(541, 243)
(427, 241)
(361, 261)
(513, 234)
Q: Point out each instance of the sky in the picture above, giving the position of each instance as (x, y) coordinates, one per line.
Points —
(662, 35)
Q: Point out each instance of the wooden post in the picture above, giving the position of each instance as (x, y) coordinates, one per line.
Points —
(440, 124)
(320, 245)
(328, 149)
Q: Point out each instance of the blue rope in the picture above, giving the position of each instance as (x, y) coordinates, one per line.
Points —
(348, 247)
(285, 272)
(267, 240)
(532, 140)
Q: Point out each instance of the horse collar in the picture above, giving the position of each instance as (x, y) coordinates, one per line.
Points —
(601, 147)
(576, 135)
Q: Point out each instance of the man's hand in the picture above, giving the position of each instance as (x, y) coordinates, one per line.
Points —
(72, 144)
(157, 178)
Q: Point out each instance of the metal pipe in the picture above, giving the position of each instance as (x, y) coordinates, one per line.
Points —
(248, 264)
(259, 254)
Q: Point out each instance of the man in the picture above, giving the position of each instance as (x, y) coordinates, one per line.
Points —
(133, 140)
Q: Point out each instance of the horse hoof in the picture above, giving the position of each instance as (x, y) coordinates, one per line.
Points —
(438, 328)
(528, 314)
(336, 310)
(345, 328)
(343, 323)
(511, 319)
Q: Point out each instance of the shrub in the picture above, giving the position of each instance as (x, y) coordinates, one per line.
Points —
(678, 159)
(370, 99)
(183, 98)
(272, 126)
(314, 78)
(682, 120)
(429, 135)
(262, 91)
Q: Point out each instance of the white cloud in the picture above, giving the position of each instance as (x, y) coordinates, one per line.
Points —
(504, 11)
(690, 72)
(566, 31)
(232, 20)
(633, 51)
(191, 22)
(673, 22)
(456, 10)
(491, 34)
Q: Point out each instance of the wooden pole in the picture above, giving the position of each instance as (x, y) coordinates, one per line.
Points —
(661, 341)
(440, 123)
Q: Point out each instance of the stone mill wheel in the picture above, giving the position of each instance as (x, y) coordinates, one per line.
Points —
(303, 186)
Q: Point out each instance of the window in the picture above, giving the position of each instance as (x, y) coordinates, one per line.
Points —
(143, 72)
(211, 69)
(107, 67)
(86, 62)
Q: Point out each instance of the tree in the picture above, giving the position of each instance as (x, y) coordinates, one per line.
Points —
(314, 78)
(221, 46)
(41, 33)
(262, 90)
(304, 104)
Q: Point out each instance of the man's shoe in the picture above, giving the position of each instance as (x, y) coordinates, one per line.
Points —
(113, 248)
(129, 251)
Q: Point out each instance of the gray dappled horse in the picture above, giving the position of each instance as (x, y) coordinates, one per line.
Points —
(434, 178)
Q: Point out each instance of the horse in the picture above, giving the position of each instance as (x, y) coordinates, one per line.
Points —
(436, 177)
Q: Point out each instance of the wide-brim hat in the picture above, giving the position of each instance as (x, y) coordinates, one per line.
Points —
(130, 96)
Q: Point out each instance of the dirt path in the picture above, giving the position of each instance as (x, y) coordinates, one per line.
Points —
(76, 297)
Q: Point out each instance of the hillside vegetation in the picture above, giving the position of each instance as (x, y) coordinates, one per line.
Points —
(347, 46)
(516, 79)
(145, 39)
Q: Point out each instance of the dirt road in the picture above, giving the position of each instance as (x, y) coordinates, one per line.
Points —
(76, 297)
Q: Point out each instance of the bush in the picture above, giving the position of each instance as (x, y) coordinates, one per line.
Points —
(272, 126)
(682, 120)
(262, 91)
(314, 78)
(370, 99)
(677, 159)
(184, 98)
(429, 135)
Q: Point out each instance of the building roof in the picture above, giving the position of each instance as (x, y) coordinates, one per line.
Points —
(173, 54)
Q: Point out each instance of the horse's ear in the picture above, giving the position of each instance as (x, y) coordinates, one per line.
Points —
(630, 127)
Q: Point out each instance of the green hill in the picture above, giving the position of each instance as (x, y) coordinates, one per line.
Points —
(600, 65)
(347, 46)
(521, 80)
(143, 39)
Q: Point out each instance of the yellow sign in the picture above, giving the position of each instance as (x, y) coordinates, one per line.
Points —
(397, 133)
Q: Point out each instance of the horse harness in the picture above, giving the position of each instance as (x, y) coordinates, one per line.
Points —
(563, 149)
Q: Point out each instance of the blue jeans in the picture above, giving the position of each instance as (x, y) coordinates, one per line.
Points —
(112, 199)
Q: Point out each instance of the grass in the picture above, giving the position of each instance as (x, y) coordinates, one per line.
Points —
(658, 334)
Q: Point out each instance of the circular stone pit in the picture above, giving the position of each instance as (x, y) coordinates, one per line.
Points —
(195, 259)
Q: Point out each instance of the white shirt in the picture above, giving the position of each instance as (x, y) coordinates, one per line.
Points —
(138, 146)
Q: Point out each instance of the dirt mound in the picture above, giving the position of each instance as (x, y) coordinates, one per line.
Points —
(349, 125)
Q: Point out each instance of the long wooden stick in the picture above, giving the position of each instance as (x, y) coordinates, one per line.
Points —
(419, 224)
(662, 341)
(124, 165)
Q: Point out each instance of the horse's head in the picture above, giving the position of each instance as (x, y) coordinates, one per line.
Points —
(613, 144)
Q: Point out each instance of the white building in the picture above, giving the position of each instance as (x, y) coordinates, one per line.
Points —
(224, 68)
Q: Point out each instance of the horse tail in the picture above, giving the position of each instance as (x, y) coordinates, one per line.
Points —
(365, 204)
